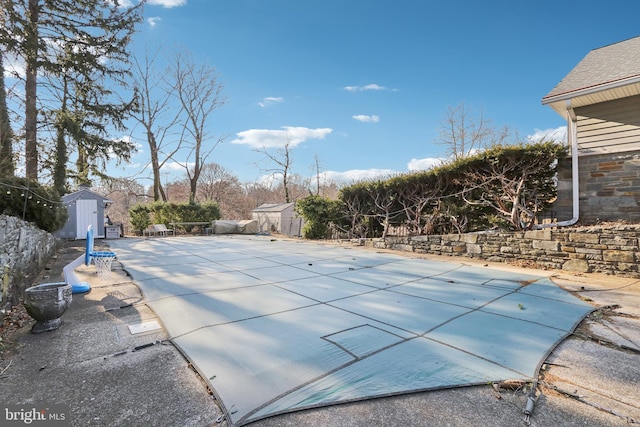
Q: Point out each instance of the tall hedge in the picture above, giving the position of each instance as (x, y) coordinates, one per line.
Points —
(504, 186)
(165, 213)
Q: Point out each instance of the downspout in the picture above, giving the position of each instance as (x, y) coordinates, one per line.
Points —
(572, 135)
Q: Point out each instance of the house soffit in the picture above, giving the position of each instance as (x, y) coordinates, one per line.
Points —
(592, 96)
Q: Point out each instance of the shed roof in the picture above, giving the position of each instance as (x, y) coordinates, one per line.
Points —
(606, 73)
(273, 207)
(82, 193)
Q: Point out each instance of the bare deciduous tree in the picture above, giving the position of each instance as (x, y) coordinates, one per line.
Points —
(155, 115)
(200, 93)
(463, 132)
(124, 193)
(222, 186)
(282, 162)
(257, 194)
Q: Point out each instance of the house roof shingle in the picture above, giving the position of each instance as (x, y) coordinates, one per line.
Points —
(616, 62)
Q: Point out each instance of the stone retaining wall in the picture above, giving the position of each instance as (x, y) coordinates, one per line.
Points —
(24, 251)
(608, 249)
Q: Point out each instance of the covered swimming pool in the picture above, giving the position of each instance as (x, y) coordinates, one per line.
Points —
(281, 325)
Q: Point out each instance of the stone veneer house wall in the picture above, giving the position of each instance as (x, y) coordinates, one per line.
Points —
(600, 99)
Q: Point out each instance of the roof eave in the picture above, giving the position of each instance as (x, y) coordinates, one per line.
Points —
(594, 94)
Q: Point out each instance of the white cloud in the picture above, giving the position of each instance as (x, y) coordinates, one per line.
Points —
(167, 3)
(423, 164)
(371, 86)
(134, 166)
(177, 166)
(14, 66)
(355, 175)
(270, 181)
(270, 100)
(271, 138)
(558, 134)
(154, 20)
(366, 119)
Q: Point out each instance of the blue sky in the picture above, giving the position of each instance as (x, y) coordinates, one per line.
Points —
(364, 84)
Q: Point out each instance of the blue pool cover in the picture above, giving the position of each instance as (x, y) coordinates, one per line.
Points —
(277, 326)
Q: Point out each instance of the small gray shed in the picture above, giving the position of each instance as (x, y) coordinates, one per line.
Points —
(84, 208)
(278, 217)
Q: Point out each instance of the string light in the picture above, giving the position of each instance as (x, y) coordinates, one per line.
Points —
(29, 193)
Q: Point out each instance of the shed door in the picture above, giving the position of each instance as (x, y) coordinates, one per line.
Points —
(86, 215)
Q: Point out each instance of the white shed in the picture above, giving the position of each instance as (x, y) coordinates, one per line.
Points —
(84, 208)
(278, 218)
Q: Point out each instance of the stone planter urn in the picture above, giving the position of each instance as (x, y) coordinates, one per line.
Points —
(46, 303)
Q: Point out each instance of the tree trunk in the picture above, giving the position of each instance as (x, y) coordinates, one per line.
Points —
(82, 168)
(158, 191)
(31, 108)
(197, 168)
(60, 163)
(285, 183)
(7, 168)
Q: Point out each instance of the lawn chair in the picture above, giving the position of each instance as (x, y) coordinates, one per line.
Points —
(162, 230)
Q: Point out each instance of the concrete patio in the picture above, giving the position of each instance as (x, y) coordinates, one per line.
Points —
(111, 366)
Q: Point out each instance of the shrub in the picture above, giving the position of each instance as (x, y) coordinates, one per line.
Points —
(27, 199)
(210, 211)
(166, 213)
(318, 213)
(140, 217)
